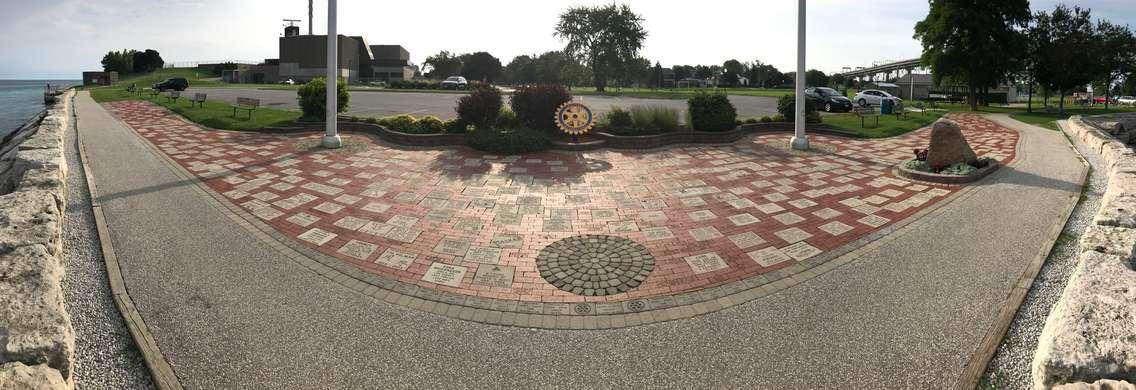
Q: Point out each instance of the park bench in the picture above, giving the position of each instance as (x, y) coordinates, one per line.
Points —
(173, 96)
(155, 92)
(247, 104)
(198, 98)
(133, 88)
(864, 112)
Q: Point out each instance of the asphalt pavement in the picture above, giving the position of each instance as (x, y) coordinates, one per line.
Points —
(231, 312)
(380, 104)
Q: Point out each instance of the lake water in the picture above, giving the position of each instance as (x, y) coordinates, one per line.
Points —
(21, 99)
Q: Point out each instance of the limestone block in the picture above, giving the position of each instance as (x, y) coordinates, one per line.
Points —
(1091, 332)
(17, 376)
(948, 146)
(43, 180)
(1126, 164)
(1110, 240)
(1113, 151)
(43, 159)
(1103, 384)
(34, 326)
(30, 218)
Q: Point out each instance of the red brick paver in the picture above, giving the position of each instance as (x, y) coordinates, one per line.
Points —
(708, 214)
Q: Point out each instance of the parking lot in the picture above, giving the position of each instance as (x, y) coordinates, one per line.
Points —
(380, 104)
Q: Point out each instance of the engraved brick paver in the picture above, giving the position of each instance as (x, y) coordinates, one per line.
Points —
(464, 222)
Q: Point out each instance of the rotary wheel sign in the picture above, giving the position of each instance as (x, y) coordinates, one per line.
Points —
(574, 118)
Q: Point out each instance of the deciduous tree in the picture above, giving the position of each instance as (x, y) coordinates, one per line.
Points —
(602, 37)
(443, 65)
(480, 66)
(1070, 39)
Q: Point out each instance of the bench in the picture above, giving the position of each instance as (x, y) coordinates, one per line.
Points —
(247, 104)
(133, 88)
(173, 96)
(198, 98)
(155, 92)
(864, 112)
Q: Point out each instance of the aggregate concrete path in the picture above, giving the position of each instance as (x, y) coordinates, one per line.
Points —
(229, 312)
(380, 104)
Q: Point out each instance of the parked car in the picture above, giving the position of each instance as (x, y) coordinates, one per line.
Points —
(381, 84)
(1129, 100)
(288, 82)
(455, 82)
(873, 97)
(176, 84)
(1101, 100)
(828, 99)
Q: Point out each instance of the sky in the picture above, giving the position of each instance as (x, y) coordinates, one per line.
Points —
(61, 38)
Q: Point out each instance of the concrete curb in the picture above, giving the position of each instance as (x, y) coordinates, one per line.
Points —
(1089, 334)
(980, 359)
(160, 369)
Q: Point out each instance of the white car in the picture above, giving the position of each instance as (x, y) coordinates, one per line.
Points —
(455, 82)
(873, 97)
(1127, 100)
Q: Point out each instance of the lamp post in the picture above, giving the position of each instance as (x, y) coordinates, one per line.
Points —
(800, 140)
(331, 138)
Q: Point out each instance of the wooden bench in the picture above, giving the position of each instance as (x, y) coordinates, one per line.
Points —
(247, 104)
(198, 99)
(864, 112)
(173, 96)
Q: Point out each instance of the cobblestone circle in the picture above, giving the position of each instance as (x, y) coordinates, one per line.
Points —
(595, 264)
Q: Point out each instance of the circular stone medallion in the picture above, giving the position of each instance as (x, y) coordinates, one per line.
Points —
(595, 264)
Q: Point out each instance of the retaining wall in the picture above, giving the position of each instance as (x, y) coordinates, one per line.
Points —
(1090, 334)
(37, 343)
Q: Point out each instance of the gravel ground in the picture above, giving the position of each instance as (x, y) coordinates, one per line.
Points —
(1010, 367)
(105, 355)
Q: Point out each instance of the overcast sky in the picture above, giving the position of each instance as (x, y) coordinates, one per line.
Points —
(61, 38)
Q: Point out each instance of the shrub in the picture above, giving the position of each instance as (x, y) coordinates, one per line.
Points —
(654, 119)
(766, 119)
(481, 107)
(507, 119)
(812, 117)
(313, 97)
(778, 118)
(400, 123)
(711, 112)
(430, 125)
(917, 165)
(738, 122)
(535, 105)
(371, 120)
(454, 126)
(750, 121)
(787, 106)
(618, 118)
(508, 141)
(960, 169)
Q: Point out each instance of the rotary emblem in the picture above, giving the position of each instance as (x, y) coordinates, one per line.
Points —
(574, 118)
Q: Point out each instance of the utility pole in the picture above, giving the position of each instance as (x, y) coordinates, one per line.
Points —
(310, 17)
(331, 138)
(800, 140)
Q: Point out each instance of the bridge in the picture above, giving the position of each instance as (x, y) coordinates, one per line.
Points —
(908, 66)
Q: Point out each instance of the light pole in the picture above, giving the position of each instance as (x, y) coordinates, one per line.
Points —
(331, 138)
(800, 141)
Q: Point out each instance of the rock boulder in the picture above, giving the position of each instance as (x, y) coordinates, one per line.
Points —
(948, 146)
(17, 376)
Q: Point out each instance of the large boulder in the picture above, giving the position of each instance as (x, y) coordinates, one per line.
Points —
(17, 376)
(948, 146)
(34, 325)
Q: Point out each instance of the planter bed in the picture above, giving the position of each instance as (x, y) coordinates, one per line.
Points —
(939, 178)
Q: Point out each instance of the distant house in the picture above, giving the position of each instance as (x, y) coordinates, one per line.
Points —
(304, 57)
(918, 85)
(886, 87)
(99, 78)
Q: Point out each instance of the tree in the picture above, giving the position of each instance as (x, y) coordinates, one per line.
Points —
(816, 78)
(147, 61)
(480, 66)
(732, 71)
(1117, 54)
(443, 65)
(602, 37)
(683, 71)
(119, 61)
(1061, 64)
(764, 75)
(975, 41)
(521, 70)
(553, 67)
(657, 76)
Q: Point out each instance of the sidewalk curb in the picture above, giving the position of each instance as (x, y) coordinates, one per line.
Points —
(160, 369)
(976, 365)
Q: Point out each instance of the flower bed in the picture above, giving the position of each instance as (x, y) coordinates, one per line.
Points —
(955, 174)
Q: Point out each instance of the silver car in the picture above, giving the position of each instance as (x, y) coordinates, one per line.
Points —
(455, 82)
(873, 97)
(1126, 100)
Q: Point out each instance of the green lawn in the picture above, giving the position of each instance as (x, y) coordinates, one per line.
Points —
(889, 126)
(215, 114)
(683, 93)
(1040, 116)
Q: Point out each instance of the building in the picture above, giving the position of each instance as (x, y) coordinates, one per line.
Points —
(304, 57)
(99, 78)
(918, 85)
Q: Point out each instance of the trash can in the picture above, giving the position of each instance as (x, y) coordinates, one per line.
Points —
(886, 106)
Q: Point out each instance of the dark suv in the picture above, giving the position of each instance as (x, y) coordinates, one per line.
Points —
(829, 99)
(176, 84)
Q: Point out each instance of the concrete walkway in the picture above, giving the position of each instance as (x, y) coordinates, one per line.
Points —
(230, 312)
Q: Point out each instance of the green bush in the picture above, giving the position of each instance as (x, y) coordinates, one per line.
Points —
(787, 106)
(654, 119)
(535, 105)
(430, 125)
(313, 98)
(507, 120)
(711, 112)
(618, 118)
(812, 117)
(766, 119)
(917, 165)
(777, 118)
(454, 126)
(960, 169)
(508, 141)
(371, 120)
(481, 107)
(400, 123)
(750, 121)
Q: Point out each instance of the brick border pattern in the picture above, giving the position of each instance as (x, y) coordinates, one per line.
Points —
(583, 315)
